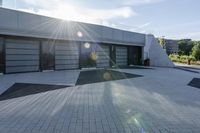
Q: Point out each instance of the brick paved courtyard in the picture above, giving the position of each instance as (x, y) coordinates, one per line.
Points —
(158, 102)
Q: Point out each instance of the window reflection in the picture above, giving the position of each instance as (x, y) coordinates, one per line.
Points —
(48, 58)
(88, 55)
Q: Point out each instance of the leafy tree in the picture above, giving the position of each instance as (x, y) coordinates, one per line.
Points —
(162, 42)
(180, 52)
(185, 47)
(196, 50)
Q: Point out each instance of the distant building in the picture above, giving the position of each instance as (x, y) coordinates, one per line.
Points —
(186, 40)
(171, 46)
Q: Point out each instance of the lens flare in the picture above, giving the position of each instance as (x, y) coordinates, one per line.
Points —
(107, 76)
(93, 56)
(136, 121)
(79, 34)
(87, 45)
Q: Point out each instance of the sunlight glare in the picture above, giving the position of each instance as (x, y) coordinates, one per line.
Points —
(79, 34)
(107, 76)
(93, 56)
(87, 45)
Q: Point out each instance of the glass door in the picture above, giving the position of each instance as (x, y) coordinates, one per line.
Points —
(88, 55)
(48, 56)
(135, 55)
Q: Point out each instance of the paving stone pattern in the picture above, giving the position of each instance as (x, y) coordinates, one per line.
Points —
(158, 102)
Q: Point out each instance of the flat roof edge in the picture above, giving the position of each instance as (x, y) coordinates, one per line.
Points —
(20, 23)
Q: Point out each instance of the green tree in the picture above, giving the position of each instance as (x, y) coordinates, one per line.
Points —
(185, 47)
(196, 50)
(162, 42)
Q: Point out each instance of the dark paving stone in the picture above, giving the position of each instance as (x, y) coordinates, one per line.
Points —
(195, 83)
(24, 89)
(102, 75)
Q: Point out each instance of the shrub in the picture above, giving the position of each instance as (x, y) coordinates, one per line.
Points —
(183, 59)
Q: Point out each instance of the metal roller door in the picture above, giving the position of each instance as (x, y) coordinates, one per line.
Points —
(121, 56)
(22, 56)
(66, 55)
(103, 58)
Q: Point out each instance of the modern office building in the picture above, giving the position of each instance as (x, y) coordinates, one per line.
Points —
(30, 42)
(171, 46)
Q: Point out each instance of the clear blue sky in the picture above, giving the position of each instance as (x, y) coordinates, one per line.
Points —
(173, 19)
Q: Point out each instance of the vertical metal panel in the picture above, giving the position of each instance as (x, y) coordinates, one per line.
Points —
(121, 56)
(66, 55)
(2, 55)
(103, 56)
(21, 55)
(40, 55)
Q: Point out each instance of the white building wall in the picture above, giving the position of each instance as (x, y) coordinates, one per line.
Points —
(24, 24)
(155, 53)
(148, 41)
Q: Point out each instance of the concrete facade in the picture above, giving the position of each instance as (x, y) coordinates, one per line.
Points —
(30, 25)
(27, 37)
(155, 53)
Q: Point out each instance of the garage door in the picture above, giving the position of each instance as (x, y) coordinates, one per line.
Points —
(66, 55)
(22, 56)
(103, 59)
(121, 56)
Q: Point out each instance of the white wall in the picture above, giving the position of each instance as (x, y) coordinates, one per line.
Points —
(156, 54)
(19, 23)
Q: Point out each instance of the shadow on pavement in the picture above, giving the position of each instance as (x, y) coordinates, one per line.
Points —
(102, 75)
(135, 67)
(195, 82)
(186, 69)
(24, 89)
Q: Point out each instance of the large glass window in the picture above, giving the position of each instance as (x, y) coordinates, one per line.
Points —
(88, 55)
(48, 56)
(135, 55)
